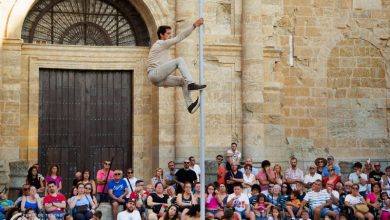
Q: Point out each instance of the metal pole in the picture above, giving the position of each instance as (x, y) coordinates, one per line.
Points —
(201, 136)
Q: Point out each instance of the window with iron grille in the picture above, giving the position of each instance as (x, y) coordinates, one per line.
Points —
(85, 22)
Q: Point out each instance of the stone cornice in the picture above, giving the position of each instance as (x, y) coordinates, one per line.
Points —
(83, 51)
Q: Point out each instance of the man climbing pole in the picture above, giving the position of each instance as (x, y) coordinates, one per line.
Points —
(160, 67)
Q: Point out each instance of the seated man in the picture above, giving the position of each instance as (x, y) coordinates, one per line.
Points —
(5, 205)
(318, 201)
(240, 203)
(54, 202)
(117, 191)
(131, 211)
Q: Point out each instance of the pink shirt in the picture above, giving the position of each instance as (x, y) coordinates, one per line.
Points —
(372, 198)
(58, 180)
(211, 202)
(262, 176)
(101, 175)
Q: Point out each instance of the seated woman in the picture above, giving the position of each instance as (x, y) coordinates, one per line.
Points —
(157, 201)
(171, 213)
(212, 204)
(373, 198)
(354, 199)
(81, 204)
(33, 179)
(186, 200)
(32, 201)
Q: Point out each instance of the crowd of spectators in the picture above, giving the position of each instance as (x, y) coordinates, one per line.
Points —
(240, 191)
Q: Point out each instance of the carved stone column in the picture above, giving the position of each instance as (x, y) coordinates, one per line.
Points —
(252, 80)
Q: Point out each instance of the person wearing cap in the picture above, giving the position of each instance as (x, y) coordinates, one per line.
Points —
(376, 175)
(331, 163)
(312, 176)
(183, 175)
(131, 211)
(320, 162)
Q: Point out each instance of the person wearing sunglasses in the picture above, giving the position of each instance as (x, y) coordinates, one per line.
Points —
(333, 178)
(183, 175)
(130, 181)
(101, 178)
(354, 199)
(117, 190)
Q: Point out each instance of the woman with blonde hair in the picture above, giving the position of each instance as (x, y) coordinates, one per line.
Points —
(158, 177)
(279, 178)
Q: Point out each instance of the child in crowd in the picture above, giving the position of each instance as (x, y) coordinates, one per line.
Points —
(294, 204)
(385, 212)
(304, 215)
(97, 215)
(275, 214)
(261, 207)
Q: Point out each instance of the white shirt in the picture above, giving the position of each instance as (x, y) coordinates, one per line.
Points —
(248, 179)
(240, 203)
(355, 179)
(335, 194)
(235, 156)
(125, 215)
(311, 179)
(196, 169)
(132, 182)
(354, 200)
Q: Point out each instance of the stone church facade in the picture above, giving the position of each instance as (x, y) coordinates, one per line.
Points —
(285, 77)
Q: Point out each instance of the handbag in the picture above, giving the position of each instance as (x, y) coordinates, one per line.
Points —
(363, 208)
(82, 208)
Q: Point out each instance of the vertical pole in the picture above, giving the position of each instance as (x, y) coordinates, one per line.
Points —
(201, 136)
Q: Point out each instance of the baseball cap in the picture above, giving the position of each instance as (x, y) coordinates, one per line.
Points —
(330, 157)
(131, 200)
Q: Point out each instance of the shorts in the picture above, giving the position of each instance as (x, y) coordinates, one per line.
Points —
(295, 210)
(57, 215)
(324, 212)
(212, 211)
(241, 213)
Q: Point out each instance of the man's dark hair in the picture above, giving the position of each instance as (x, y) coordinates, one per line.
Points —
(51, 182)
(138, 182)
(237, 184)
(265, 163)
(358, 165)
(234, 144)
(191, 157)
(162, 30)
(98, 214)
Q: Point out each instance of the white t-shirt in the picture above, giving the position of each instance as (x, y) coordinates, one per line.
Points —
(235, 156)
(354, 200)
(355, 179)
(196, 169)
(240, 202)
(125, 215)
(335, 194)
(311, 179)
(132, 182)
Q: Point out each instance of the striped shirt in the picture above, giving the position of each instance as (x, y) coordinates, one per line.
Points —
(316, 199)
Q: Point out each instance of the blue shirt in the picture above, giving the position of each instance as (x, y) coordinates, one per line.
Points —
(118, 188)
(326, 173)
(4, 204)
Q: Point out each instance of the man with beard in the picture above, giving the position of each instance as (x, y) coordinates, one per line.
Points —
(183, 175)
(169, 176)
(131, 211)
(54, 202)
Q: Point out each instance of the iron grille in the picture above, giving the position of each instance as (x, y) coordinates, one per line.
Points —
(85, 22)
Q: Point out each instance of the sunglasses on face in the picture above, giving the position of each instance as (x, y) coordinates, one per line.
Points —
(88, 188)
(186, 162)
(107, 163)
(130, 172)
(355, 188)
(117, 174)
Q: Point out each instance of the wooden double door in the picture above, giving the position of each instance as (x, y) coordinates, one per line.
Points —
(85, 118)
